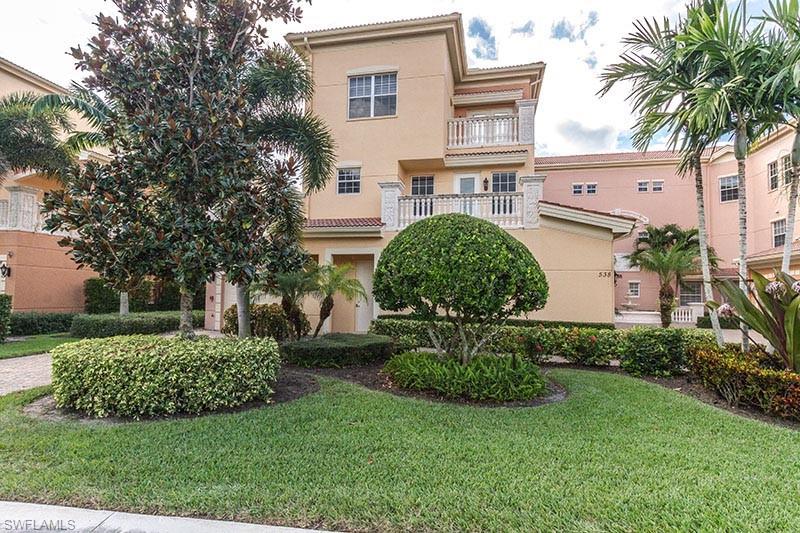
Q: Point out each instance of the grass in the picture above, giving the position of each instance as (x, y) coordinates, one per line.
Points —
(33, 345)
(619, 454)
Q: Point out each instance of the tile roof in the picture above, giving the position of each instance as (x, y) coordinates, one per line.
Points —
(774, 251)
(493, 152)
(611, 157)
(594, 212)
(366, 222)
(371, 24)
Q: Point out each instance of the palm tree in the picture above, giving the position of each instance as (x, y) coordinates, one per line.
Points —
(783, 87)
(332, 279)
(661, 80)
(279, 85)
(727, 91)
(30, 138)
(292, 287)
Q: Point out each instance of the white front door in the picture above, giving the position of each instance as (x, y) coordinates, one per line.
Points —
(364, 309)
(465, 185)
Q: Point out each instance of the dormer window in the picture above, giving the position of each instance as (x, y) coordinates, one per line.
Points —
(374, 95)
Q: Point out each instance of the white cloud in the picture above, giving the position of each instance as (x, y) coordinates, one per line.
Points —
(37, 34)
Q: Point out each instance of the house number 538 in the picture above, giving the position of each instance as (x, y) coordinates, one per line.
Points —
(605, 274)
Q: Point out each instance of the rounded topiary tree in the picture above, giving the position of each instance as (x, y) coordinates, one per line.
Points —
(468, 270)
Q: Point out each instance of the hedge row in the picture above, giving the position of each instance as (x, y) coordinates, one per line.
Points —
(650, 351)
(146, 375)
(704, 322)
(519, 322)
(147, 297)
(5, 316)
(338, 350)
(747, 379)
(87, 326)
(266, 320)
(36, 323)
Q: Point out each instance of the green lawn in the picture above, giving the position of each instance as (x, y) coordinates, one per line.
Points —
(34, 344)
(619, 454)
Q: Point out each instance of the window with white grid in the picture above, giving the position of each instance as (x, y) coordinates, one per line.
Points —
(772, 175)
(348, 181)
(503, 182)
(591, 188)
(691, 293)
(372, 96)
(634, 289)
(577, 189)
(421, 185)
(642, 186)
(658, 185)
(728, 188)
(779, 232)
(786, 164)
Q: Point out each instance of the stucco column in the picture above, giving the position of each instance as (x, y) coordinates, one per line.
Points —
(390, 204)
(526, 109)
(532, 192)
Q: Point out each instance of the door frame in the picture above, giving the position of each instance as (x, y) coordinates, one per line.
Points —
(327, 259)
(457, 181)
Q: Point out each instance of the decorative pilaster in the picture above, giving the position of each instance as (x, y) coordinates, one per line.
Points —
(526, 109)
(532, 192)
(390, 204)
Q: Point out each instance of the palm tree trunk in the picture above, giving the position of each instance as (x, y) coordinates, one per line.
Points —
(243, 310)
(666, 300)
(740, 149)
(792, 212)
(702, 233)
(124, 307)
(324, 313)
(186, 328)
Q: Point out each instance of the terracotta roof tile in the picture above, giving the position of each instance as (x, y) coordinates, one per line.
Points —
(367, 222)
(608, 157)
(369, 24)
(493, 152)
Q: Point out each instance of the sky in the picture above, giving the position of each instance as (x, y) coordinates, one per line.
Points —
(575, 38)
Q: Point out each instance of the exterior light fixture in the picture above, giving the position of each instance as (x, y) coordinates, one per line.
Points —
(5, 271)
(485, 184)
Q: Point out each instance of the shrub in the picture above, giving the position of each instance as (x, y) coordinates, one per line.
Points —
(659, 351)
(148, 296)
(99, 297)
(147, 375)
(35, 323)
(587, 346)
(725, 322)
(86, 326)
(5, 316)
(266, 320)
(748, 379)
(516, 322)
(471, 267)
(485, 378)
(338, 350)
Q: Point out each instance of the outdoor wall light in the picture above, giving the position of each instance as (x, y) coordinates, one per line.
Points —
(485, 184)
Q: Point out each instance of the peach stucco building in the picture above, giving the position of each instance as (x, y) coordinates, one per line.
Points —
(419, 133)
(41, 276)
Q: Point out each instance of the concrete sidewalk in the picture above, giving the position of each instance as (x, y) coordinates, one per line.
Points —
(15, 516)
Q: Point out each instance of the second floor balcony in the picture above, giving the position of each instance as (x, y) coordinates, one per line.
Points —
(476, 132)
(504, 209)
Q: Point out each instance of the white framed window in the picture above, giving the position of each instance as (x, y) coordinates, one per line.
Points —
(591, 188)
(642, 234)
(374, 95)
(728, 188)
(577, 189)
(658, 186)
(634, 289)
(786, 167)
(421, 185)
(772, 175)
(503, 182)
(348, 181)
(778, 232)
(691, 292)
(643, 186)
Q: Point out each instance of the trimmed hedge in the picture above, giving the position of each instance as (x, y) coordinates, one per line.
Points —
(89, 326)
(748, 379)
(643, 351)
(148, 296)
(147, 375)
(485, 378)
(704, 322)
(337, 350)
(266, 320)
(518, 322)
(5, 316)
(35, 323)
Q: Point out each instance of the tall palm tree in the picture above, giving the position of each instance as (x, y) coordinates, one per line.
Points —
(332, 280)
(783, 88)
(727, 91)
(32, 138)
(279, 84)
(661, 79)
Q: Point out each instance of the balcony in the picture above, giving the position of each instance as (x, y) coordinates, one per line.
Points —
(477, 132)
(503, 209)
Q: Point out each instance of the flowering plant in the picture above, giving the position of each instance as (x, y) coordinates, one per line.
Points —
(770, 308)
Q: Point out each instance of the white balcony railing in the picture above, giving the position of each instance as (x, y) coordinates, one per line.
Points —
(482, 131)
(684, 315)
(504, 209)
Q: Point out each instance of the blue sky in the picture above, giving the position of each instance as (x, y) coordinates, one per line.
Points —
(576, 38)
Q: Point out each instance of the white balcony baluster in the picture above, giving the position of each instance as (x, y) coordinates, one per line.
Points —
(474, 132)
(504, 209)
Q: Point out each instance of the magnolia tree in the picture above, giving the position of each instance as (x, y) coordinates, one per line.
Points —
(466, 270)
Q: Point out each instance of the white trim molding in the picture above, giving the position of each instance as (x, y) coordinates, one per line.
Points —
(375, 69)
(499, 158)
(618, 226)
(488, 97)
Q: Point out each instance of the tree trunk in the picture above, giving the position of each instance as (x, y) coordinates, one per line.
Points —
(666, 301)
(324, 313)
(243, 310)
(740, 150)
(186, 327)
(702, 232)
(124, 308)
(792, 212)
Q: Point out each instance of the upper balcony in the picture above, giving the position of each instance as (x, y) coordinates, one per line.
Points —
(480, 132)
